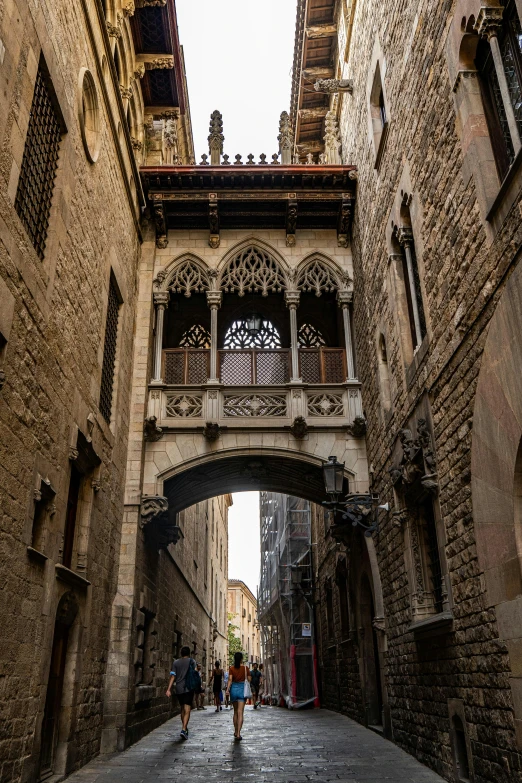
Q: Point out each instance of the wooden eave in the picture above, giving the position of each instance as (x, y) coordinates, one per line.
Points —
(173, 80)
(249, 197)
(312, 51)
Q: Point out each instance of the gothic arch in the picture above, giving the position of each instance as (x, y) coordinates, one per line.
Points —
(318, 274)
(496, 471)
(253, 266)
(186, 274)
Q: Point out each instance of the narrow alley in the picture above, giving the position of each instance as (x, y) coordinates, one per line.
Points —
(279, 746)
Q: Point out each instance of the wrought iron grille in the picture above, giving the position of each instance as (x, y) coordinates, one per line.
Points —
(238, 336)
(186, 365)
(195, 337)
(323, 365)
(39, 163)
(243, 368)
(109, 352)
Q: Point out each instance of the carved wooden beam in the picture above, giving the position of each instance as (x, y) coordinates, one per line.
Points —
(318, 73)
(321, 31)
(291, 219)
(313, 114)
(213, 220)
(345, 217)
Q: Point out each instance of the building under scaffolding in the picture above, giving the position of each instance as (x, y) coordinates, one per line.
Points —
(285, 595)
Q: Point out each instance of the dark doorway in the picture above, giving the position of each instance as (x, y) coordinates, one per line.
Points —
(370, 656)
(65, 615)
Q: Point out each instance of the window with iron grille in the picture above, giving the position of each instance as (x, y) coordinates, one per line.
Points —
(109, 351)
(39, 163)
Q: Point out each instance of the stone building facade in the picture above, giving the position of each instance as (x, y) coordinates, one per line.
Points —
(74, 90)
(421, 633)
(242, 611)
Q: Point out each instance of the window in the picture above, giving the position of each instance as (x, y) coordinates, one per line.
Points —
(411, 280)
(195, 337)
(428, 525)
(39, 164)
(109, 351)
(378, 116)
(384, 373)
(43, 508)
(89, 115)
(510, 47)
(71, 515)
(310, 336)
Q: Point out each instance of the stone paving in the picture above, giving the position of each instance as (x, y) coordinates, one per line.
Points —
(279, 746)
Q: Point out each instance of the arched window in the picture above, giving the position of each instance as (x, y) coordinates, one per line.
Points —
(309, 336)
(416, 315)
(505, 135)
(384, 373)
(117, 62)
(239, 336)
(195, 337)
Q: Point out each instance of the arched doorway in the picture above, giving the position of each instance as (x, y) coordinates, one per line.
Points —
(370, 668)
(51, 729)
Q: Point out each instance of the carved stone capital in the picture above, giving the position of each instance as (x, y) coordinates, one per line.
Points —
(292, 299)
(489, 21)
(159, 279)
(379, 624)
(128, 8)
(358, 427)
(161, 298)
(139, 71)
(299, 428)
(137, 145)
(96, 485)
(162, 242)
(214, 299)
(400, 517)
(462, 75)
(214, 241)
(405, 236)
(125, 92)
(113, 31)
(344, 298)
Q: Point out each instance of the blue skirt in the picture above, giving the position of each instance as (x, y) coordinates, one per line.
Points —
(237, 691)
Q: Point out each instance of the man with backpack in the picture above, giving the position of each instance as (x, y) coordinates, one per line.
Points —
(184, 676)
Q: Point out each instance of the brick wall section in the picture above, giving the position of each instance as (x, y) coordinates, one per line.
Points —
(463, 273)
(52, 364)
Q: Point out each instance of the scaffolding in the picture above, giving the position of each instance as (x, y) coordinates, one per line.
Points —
(284, 603)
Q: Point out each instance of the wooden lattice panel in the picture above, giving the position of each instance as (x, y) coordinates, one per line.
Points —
(334, 366)
(272, 367)
(174, 367)
(198, 366)
(310, 366)
(236, 368)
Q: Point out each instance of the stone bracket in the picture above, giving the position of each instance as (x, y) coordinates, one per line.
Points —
(291, 219)
(345, 219)
(213, 220)
(161, 224)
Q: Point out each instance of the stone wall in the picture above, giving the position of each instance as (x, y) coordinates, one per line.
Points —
(464, 262)
(53, 318)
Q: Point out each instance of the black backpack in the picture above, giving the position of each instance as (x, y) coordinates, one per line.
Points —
(192, 678)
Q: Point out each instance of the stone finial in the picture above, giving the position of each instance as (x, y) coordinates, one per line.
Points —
(251, 161)
(285, 139)
(275, 159)
(226, 160)
(332, 86)
(238, 161)
(332, 140)
(215, 137)
(262, 159)
(309, 159)
(204, 160)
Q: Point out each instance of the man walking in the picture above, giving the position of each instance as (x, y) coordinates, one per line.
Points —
(183, 676)
(255, 684)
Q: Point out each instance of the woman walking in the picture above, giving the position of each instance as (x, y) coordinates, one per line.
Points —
(237, 676)
(217, 683)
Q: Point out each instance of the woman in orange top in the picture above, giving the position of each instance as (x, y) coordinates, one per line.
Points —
(237, 674)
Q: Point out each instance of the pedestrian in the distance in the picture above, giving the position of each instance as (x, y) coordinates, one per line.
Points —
(227, 695)
(255, 684)
(200, 691)
(262, 684)
(216, 681)
(238, 679)
(183, 675)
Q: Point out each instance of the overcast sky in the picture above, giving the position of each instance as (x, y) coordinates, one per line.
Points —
(238, 56)
(244, 555)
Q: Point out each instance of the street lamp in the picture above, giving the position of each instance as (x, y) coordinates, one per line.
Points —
(333, 473)
(254, 324)
(360, 510)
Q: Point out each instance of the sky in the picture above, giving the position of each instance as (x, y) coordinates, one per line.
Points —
(238, 57)
(244, 551)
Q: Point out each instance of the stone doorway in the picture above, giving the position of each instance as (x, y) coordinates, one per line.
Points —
(371, 668)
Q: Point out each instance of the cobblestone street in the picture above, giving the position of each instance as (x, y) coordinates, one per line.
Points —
(278, 745)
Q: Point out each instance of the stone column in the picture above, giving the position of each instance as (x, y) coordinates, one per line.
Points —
(214, 299)
(405, 237)
(292, 302)
(344, 299)
(489, 22)
(161, 300)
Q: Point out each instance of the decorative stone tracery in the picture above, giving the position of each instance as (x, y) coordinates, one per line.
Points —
(189, 278)
(316, 276)
(253, 271)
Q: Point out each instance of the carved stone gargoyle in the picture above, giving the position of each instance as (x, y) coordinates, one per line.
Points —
(418, 459)
(332, 86)
(212, 431)
(151, 430)
(358, 427)
(156, 524)
(299, 428)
